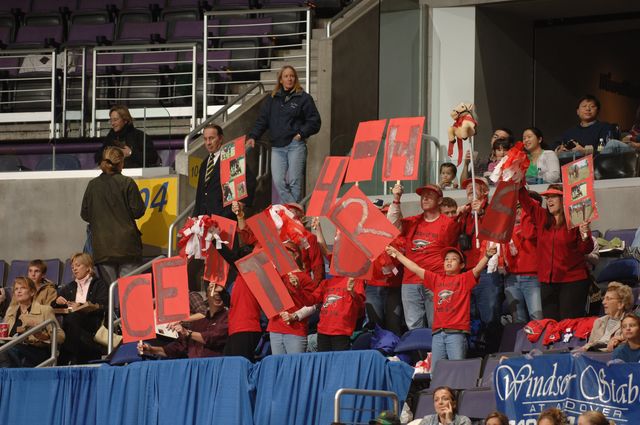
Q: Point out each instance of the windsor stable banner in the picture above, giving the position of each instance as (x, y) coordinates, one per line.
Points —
(525, 387)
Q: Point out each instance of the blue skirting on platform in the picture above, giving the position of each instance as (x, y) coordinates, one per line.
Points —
(293, 389)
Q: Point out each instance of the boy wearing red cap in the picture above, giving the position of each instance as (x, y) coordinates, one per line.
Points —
(452, 310)
(422, 237)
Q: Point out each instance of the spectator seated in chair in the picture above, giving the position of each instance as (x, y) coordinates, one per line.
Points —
(446, 405)
(205, 337)
(45, 289)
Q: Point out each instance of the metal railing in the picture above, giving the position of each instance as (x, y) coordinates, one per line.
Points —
(222, 113)
(341, 14)
(36, 69)
(239, 50)
(337, 405)
(120, 72)
(40, 327)
(112, 288)
(74, 88)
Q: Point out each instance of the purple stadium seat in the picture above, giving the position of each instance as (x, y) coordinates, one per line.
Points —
(257, 27)
(63, 162)
(152, 62)
(599, 356)
(10, 163)
(41, 6)
(184, 31)
(6, 35)
(615, 165)
(625, 270)
(90, 17)
(89, 34)
(424, 406)
(67, 274)
(36, 36)
(140, 32)
(457, 374)
(85, 5)
(509, 335)
(229, 4)
(8, 6)
(415, 340)
(523, 345)
(626, 235)
(54, 268)
(143, 4)
(3, 272)
(17, 268)
(477, 403)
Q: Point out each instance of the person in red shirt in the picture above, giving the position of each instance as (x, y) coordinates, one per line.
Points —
(290, 336)
(341, 302)
(521, 286)
(422, 237)
(562, 268)
(486, 299)
(244, 322)
(311, 255)
(452, 306)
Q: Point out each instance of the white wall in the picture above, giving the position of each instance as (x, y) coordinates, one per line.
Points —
(452, 41)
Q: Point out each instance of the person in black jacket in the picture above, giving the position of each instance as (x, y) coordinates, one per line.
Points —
(138, 148)
(209, 190)
(291, 117)
(81, 326)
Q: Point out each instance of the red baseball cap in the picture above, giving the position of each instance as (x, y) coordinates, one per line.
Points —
(552, 192)
(432, 187)
(479, 180)
(449, 249)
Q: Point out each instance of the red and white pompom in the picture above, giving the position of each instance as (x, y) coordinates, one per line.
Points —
(513, 166)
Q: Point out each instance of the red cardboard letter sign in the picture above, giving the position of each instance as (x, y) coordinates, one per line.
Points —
(402, 149)
(172, 289)
(265, 231)
(348, 260)
(233, 168)
(497, 225)
(265, 283)
(327, 186)
(365, 150)
(358, 219)
(136, 302)
(216, 268)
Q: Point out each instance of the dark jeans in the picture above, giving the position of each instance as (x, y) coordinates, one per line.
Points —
(79, 346)
(333, 342)
(23, 355)
(242, 344)
(486, 305)
(564, 300)
(384, 308)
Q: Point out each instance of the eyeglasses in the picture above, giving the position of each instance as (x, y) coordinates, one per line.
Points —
(608, 298)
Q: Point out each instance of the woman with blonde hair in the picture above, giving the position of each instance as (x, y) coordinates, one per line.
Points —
(23, 314)
(81, 325)
(606, 333)
(137, 147)
(291, 117)
(111, 205)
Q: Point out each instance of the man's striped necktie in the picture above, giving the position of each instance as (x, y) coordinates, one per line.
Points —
(209, 171)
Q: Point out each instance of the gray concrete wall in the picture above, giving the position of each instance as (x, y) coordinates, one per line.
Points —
(348, 88)
(503, 87)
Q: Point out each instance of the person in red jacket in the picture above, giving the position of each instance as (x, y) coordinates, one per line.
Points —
(562, 268)
(486, 297)
(422, 237)
(311, 255)
(341, 302)
(521, 286)
(244, 322)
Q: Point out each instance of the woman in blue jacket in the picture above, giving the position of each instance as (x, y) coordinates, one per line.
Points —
(291, 117)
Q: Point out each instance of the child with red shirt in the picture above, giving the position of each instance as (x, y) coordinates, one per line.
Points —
(341, 302)
(452, 300)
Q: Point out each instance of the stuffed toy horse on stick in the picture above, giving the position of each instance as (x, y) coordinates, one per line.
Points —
(464, 127)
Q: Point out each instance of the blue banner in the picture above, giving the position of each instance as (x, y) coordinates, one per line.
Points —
(574, 383)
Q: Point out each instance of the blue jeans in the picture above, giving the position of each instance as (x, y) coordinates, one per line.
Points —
(376, 297)
(616, 146)
(288, 165)
(287, 343)
(416, 302)
(451, 346)
(636, 239)
(523, 297)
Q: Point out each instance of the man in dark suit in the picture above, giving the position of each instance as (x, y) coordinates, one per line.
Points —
(209, 193)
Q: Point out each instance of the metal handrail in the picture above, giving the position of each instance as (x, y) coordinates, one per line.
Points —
(222, 112)
(341, 15)
(373, 393)
(112, 288)
(54, 343)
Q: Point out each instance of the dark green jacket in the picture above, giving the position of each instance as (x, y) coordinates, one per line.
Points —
(110, 205)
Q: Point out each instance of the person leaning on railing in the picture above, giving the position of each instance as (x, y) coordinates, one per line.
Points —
(25, 313)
